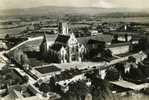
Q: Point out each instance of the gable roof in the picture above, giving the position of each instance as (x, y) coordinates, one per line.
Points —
(98, 38)
(124, 33)
(118, 45)
(62, 39)
(83, 40)
(56, 47)
(102, 38)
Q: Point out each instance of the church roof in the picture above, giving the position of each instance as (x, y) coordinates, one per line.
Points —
(62, 39)
(56, 47)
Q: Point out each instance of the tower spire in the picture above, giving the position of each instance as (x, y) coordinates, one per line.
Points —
(63, 28)
(44, 37)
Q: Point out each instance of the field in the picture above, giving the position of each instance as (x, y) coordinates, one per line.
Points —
(143, 20)
(127, 19)
(11, 31)
(47, 69)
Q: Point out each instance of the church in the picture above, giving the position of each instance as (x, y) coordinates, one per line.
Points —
(65, 48)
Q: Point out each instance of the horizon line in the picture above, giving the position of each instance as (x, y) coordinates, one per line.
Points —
(73, 7)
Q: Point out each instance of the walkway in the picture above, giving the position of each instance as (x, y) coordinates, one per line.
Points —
(129, 85)
(22, 73)
(29, 40)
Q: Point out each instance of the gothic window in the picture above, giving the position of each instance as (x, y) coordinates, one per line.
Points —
(73, 49)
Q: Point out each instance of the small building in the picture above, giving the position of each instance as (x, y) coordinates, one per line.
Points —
(119, 48)
(97, 42)
(2, 63)
(122, 36)
(3, 46)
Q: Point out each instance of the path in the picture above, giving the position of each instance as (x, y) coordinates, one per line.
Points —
(129, 85)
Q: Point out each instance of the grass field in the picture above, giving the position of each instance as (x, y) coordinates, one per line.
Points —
(12, 31)
(47, 69)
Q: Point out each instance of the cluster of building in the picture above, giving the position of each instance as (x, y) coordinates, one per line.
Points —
(66, 47)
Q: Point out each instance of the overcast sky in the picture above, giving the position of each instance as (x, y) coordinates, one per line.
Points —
(142, 4)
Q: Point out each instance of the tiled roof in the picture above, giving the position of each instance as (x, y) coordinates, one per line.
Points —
(94, 41)
(118, 45)
(103, 38)
(56, 47)
(135, 38)
(99, 38)
(124, 33)
(62, 39)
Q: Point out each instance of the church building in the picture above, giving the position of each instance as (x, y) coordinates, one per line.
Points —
(65, 47)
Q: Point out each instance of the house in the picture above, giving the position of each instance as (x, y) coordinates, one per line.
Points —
(122, 36)
(3, 46)
(28, 92)
(95, 42)
(119, 48)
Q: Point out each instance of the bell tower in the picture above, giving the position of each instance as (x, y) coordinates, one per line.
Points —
(44, 46)
(63, 28)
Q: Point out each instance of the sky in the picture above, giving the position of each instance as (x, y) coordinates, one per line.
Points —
(133, 4)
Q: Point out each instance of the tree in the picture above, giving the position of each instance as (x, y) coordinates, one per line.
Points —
(112, 74)
(100, 89)
(52, 84)
(16, 55)
(45, 88)
(143, 42)
(77, 90)
(107, 53)
(135, 73)
(25, 79)
(131, 59)
(24, 59)
(7, 36)
(21, 58)
(85, 30)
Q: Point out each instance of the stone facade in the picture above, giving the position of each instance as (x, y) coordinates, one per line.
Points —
(65, 49)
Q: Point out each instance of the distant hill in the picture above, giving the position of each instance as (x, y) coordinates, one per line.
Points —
(54, 10)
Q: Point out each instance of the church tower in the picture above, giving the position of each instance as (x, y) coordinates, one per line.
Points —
(44, 46)
(63, 28)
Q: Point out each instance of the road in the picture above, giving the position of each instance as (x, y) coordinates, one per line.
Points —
(129, 85)
(29, 40)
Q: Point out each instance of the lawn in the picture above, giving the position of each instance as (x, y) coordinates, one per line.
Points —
(47, 69)
(35, 59)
